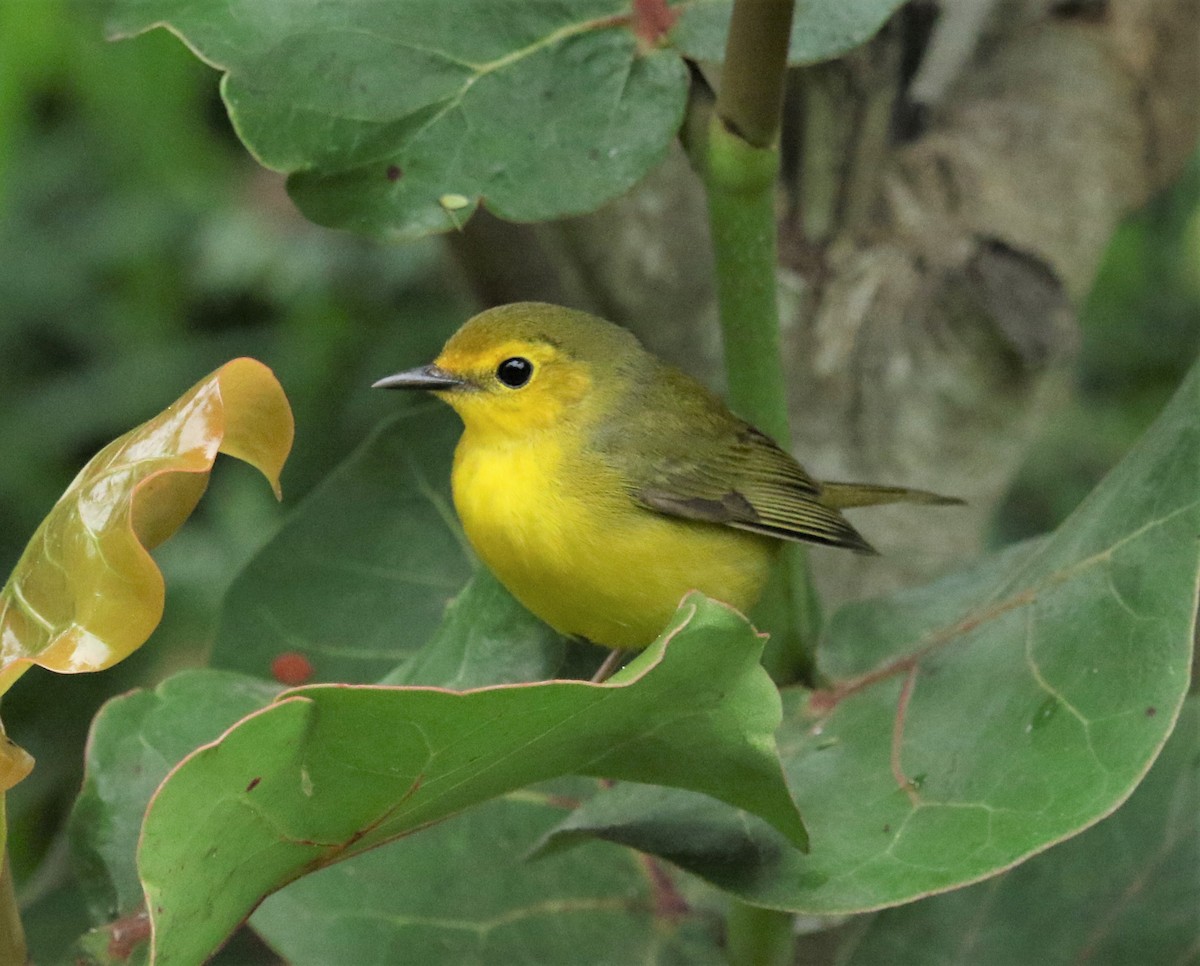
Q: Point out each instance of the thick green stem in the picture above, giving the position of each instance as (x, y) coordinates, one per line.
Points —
(739, 160)
(759, 937)
(741, 205)
(740, 166)
(751, 94)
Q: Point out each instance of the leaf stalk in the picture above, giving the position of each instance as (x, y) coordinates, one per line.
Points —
(12, 935)
(759, 937)
(737, 155)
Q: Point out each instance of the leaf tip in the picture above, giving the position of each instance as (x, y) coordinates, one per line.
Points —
(259, 425)
(15, 763)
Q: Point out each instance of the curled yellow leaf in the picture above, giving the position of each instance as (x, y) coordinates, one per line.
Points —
(15, 764)
(86, 593)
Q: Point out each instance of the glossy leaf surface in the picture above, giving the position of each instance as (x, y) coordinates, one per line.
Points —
(86, 592)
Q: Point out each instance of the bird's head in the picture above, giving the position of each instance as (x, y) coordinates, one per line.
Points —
(520, 368)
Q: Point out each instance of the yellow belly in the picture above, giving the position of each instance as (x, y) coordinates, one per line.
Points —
(566, 540)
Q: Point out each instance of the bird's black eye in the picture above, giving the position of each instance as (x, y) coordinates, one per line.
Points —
(514, 372)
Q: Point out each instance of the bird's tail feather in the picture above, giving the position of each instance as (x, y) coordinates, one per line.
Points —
(842, 496)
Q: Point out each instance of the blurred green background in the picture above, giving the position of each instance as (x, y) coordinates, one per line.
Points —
(141, 247)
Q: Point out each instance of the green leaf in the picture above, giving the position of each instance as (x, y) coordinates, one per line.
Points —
(398, 119)
(821, 29)
(135, 740)
(359, 575)
(463, 892)
(976, 721)
(486, 637)
(52, 920)
(1125, 891)
(330, 771)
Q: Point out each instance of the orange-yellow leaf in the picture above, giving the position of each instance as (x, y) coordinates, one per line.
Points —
(86, 593)
(15, 764)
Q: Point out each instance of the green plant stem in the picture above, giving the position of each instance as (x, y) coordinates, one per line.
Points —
(738, 158)
(741, 205)
(759, 937)
(751, 95)
(12, 936)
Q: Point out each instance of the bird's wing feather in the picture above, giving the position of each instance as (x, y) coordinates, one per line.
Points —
(750, 484)
(722, 470)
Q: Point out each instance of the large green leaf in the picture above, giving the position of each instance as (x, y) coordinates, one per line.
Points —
(329, 771)
(1126, 891)
(976, 721)
(135, 740)
(486, 637)
(463, 892)
(359, 575)
(399, 118)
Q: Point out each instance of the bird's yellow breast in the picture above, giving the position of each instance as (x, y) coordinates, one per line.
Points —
(559, 530)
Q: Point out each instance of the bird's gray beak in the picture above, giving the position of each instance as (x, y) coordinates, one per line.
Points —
(423, 377)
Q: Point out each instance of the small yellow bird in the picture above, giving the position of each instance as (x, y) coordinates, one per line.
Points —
(600, 484)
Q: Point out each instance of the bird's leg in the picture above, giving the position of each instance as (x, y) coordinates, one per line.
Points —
(609, 667)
